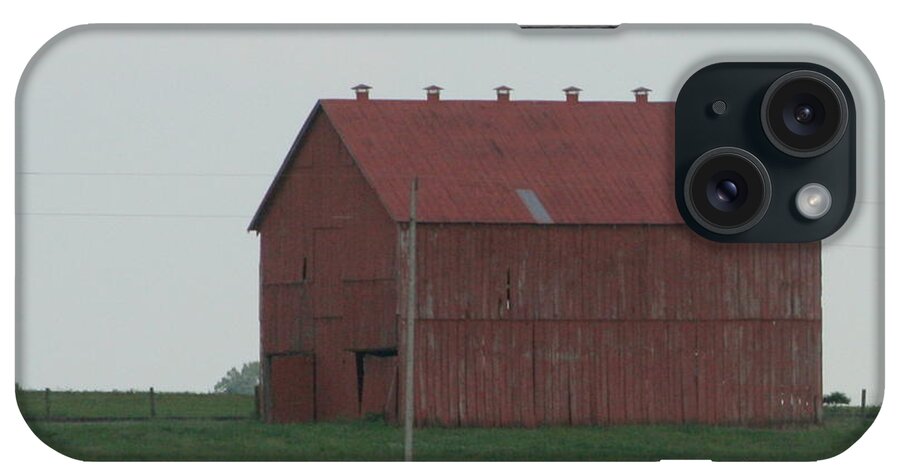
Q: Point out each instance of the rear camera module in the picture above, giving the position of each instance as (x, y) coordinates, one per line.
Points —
(804, 113)
(727, 190)
(765, 152)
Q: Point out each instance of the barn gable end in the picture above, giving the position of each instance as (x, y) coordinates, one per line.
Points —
(325, 241)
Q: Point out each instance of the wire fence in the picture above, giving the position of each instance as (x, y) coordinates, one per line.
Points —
(87, 406)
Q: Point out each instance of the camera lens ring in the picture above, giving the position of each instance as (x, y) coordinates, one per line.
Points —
(754, 171)
(837, 97)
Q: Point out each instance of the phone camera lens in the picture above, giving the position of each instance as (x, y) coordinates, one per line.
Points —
(727, 190)
(804, 113)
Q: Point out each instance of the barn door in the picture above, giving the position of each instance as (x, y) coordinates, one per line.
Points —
(336, 378)
(291, 388)
(377, 377)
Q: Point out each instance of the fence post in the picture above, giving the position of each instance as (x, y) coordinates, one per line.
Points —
(152, 403)
(862, 406)
(47, 403)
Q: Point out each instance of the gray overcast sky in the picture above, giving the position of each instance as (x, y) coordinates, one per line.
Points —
(121, 125)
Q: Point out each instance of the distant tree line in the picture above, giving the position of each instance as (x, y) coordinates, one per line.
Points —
(240, 382)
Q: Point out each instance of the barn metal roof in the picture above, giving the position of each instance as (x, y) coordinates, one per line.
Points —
(584, 163)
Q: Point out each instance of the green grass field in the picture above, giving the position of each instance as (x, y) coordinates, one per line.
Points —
(249, 439)
(133, 405)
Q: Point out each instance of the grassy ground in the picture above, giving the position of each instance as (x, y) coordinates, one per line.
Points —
(373, 440)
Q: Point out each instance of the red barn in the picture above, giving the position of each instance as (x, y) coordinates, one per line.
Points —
(556, 281)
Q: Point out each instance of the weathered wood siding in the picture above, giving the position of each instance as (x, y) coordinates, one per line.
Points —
(528, 325)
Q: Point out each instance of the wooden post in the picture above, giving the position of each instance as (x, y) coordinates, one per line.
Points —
(256, 401)
(152, 403)
(862, 406)
(47, 403)
(820, 410)
(408, 410)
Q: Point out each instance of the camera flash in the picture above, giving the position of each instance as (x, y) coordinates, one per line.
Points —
(813, 201)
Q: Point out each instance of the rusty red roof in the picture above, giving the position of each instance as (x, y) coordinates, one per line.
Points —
(512, 162)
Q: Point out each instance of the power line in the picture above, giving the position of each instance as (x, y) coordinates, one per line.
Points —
(843, 245)
(147, 174)
(443, 178)
(244, 217)
(130, 215)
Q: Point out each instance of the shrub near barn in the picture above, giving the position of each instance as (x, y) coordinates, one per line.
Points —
(836, 398)
(241, 382)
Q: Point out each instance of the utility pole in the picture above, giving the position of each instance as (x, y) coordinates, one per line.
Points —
(408, 410)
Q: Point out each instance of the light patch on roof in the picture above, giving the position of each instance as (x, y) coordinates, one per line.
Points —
(534, 205)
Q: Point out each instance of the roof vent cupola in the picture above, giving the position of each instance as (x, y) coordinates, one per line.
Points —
(503, 93)
(433, 92)
(641, 94)
(572, 94)
(362, 91)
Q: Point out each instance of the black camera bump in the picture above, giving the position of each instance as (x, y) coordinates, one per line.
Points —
(765, 152)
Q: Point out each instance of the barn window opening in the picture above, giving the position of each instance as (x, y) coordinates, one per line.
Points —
(508, 289)
(387, 352)
(303, 271)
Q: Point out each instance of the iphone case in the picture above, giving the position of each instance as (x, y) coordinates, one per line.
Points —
(506, 190)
